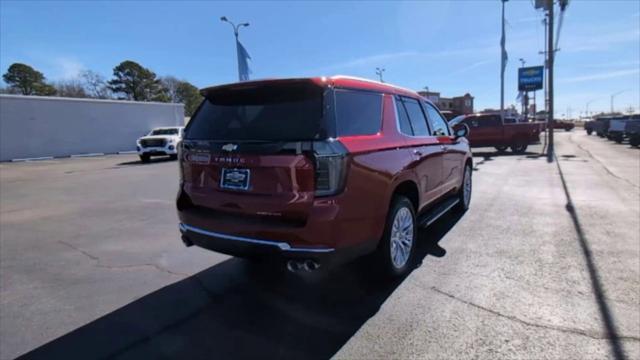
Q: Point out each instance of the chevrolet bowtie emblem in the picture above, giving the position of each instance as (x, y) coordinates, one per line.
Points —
(229, 147)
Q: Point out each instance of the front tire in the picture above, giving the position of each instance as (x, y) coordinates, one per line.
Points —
(145, 158)
(173, 157)
(589, 131)
(396, 249)
(501, 148)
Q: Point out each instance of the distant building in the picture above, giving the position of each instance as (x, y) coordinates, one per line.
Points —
(456, 105)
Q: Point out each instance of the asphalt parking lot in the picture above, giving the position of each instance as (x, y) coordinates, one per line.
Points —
(545, 264)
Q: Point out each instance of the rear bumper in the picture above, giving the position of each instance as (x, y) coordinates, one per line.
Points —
(252, 247)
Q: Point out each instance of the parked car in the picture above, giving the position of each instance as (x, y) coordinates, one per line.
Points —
(489, 130)
(618, 125)
(565, 125)
(318, 171)
(601, 125)
(616, 128)
(632, 130)
(589, 126)
(160, 142)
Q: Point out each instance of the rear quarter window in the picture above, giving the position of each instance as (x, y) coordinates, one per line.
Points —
(357, 112)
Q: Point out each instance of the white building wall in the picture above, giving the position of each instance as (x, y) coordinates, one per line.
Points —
(36, 126)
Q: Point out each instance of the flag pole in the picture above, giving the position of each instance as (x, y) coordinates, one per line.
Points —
(503, 64)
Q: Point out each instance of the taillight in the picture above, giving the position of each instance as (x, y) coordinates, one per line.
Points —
(180, 151)
(330, 167)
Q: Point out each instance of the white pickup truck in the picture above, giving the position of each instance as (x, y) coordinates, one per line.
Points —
(160, 141)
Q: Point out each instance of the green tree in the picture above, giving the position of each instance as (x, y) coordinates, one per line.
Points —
(189, 95)
(27, 81)
(137, 83)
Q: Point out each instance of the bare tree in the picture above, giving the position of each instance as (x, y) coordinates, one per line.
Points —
(171, 84)
(70, 88)
(95, 85)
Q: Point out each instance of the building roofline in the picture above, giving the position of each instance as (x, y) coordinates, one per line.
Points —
(102, 101)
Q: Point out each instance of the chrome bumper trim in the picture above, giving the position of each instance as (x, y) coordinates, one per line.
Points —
(281, 245)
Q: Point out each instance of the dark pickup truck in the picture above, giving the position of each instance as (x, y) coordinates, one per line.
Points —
(489, 130)
(632, 130)
(622, 127)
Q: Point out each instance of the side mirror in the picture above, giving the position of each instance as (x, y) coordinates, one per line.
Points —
(461, 130)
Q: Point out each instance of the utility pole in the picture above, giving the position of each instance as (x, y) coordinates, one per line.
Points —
(503, 64)
(550, 56)
(379, 72)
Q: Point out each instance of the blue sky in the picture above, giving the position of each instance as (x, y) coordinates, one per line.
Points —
(450, 46)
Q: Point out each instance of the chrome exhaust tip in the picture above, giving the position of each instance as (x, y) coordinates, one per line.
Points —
(186, 241)
(311, 265)
(294, 266)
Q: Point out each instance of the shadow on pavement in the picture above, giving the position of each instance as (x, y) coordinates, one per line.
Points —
(489, 155)
(596, 284)
(151, 161)
(238, 310)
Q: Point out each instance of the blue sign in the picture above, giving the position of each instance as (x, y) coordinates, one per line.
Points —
(530, 78)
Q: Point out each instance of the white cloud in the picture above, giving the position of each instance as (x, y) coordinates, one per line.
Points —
(599, 42)
(66, 68)
(386, 58)
(472, 66)
(600, 76)
(613, 64)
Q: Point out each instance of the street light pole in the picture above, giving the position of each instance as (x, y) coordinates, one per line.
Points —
(586, 113)
(236, 32)
(379, 72)
(550, 56)
(613, 96)
(525, 99)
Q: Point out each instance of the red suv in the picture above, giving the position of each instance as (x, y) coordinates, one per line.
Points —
(318, 171)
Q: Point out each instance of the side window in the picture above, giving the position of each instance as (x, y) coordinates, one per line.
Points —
(358, 112)
(403, 118)
(488, 121)
(471, 121)
(416, 116)
(438, 123)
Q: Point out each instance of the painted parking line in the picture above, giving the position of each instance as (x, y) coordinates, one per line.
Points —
(33, 159)
(87, 155)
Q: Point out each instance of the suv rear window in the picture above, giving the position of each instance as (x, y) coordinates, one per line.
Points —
(358, 112)
(274, 112)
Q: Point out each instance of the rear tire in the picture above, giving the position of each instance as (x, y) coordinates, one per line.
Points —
(145, 158)
(519, 148)
(589, 131)
(464, 193)
(634, 141)
(395, 252)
